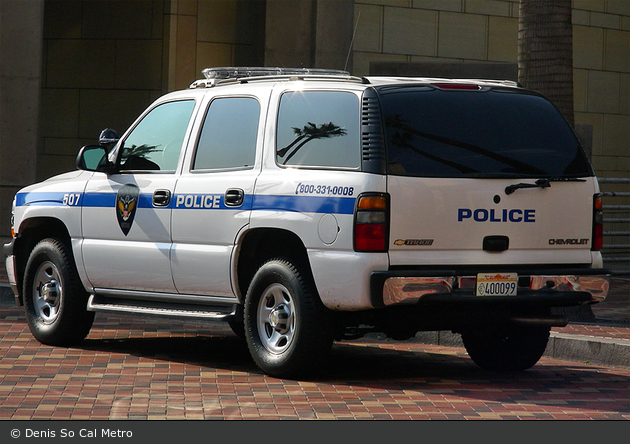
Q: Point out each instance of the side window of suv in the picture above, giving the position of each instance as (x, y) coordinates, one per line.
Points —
(228, 136)
(155, 143)
(318, 129)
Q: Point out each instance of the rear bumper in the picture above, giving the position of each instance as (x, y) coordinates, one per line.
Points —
(541, 288)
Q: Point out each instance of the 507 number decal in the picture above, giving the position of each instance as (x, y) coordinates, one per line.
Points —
(71, 199)
(303, 188)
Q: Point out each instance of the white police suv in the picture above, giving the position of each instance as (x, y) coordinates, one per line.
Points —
(308, 206)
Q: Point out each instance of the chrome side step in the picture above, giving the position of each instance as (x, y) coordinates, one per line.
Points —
(214, 312)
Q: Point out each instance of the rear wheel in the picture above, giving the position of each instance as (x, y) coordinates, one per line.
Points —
(55, 301)
(287, 328)
(508, 349)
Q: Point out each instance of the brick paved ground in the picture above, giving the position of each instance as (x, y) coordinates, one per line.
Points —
(154, 370)
(150, 370)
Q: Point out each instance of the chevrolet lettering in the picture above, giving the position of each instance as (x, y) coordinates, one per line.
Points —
(414, 242)
(307, 206)
(568, 241)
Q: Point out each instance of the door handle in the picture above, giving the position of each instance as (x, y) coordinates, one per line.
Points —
(234, 197)
(161, 198)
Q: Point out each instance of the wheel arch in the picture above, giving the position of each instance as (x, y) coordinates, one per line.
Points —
(31, 232)
(261, 244)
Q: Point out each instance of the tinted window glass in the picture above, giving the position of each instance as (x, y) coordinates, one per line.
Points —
(478, 133)
(155, 143)
(228, 137)
(318, 128)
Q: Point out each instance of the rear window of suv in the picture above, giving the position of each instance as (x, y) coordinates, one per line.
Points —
(485, 133)
(318, 129)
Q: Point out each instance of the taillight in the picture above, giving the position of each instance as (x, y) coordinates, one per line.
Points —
(371, 221)
(598, 223)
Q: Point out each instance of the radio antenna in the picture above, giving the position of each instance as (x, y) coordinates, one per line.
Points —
(345, 67)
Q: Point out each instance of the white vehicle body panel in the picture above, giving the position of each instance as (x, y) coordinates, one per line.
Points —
(451, 217)
(343, 277)
(303, 203)
(139, 260)
(205, 230)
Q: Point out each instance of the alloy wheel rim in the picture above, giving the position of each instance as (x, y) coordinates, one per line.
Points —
(276, 318)
(47, 292)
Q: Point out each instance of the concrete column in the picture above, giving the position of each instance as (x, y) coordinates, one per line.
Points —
(309, 33)
(289, 33)
(333, 34)
(180, 37)
(21, 43)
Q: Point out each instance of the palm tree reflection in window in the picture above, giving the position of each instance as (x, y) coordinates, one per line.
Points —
(309, 132)
(137, 157)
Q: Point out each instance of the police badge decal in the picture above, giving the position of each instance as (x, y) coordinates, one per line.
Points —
(126, 204)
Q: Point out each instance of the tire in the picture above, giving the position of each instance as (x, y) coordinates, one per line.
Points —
(511, 349)
(55, 301)
(287, 328)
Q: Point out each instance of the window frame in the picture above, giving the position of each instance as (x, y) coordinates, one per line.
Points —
(274, 148)
(202, 122)
(118, 150)
(566, 131)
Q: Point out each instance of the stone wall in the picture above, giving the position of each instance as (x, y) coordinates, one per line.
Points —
(477, 31)
(106, 61)
(102, 65)
(20, 81)
(601, 43)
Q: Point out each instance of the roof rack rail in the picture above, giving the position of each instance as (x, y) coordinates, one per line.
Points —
(447, 80)
(237, 73)
(214, 76)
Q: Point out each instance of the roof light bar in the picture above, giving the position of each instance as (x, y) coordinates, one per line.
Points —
(240, 72)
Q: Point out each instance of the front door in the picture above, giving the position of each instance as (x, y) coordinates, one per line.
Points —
(127, 216)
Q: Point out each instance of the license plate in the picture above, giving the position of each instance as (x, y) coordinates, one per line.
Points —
(496, 284)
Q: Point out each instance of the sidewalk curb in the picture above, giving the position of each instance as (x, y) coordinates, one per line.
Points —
(568, 347)
(589, 349)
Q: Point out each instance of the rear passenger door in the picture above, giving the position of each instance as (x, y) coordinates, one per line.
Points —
(213, 197)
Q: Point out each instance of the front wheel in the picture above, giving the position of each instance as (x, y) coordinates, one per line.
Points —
(54, 298)
(287, 328)
(508, 349)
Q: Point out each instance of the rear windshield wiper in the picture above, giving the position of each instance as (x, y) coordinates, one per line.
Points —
(540, 183)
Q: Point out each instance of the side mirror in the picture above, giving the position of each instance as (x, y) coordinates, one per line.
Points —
(94, 158)
(108, 137)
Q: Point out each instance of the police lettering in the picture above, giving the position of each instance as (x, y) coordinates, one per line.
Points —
(495, 215)
(198, 201)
